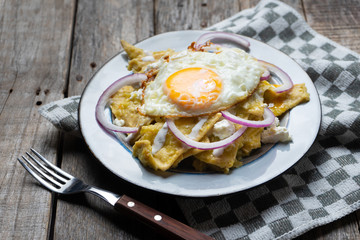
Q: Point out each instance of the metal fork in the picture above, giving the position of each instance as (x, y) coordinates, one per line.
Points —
(61, 182)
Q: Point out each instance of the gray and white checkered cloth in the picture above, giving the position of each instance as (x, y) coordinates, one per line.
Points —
(325, 184)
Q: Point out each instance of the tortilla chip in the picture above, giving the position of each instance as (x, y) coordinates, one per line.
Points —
(190, 152)
(225, 157)
(136, 55)
(279, 103)
(124, 107)
(250, 140)
(172, 148)
(254, 105)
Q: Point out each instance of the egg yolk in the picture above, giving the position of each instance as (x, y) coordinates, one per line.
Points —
(193, 88)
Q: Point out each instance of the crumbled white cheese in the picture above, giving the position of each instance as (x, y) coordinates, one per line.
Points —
(136, 94)
(148, 53)
(276, 123)
(195, 130)
(148, 59)
(154, 65)
(218, 152)
(275, 133)
(119, 122)
(160, 139)
(130, 137)
(223, 129)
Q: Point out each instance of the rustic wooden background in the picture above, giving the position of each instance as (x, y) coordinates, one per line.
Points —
(49, 50)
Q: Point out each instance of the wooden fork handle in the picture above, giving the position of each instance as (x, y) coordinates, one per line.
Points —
(160, 222)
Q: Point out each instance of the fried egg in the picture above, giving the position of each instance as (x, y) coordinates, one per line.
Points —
(194, 83)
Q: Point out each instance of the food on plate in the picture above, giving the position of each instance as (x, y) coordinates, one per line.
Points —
(210, 104)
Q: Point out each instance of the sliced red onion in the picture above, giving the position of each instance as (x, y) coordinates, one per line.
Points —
(222, 36)
(287, 83)
(269, 118)
(104, 99)
(201, 145)
(265, 76)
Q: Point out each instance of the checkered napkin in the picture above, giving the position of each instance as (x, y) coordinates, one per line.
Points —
(325, 184)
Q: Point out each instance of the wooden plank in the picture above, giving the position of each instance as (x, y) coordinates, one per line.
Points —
(35, 42)
(187, 15)
(98, 30)
(296, 4)
(337, 20)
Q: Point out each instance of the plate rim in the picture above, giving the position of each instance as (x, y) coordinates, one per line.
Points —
(206, 194)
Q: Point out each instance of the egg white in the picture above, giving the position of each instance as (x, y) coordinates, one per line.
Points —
(240, 74)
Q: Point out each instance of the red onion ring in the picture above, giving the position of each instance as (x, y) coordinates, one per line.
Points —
(104, 98)
(200, 145)
(287, 83)
(265, 76)
(269, 118)
(222, 36)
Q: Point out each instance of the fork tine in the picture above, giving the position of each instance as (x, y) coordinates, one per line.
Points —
(50, 171)
(52, 166)
(42, 181)
(39, 171)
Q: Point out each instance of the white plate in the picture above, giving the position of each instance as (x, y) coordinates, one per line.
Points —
(304, 123)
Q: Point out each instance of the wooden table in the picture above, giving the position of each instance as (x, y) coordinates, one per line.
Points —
(49, 51)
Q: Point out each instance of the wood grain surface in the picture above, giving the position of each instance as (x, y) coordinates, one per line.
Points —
(50, 50)
(35, 40)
